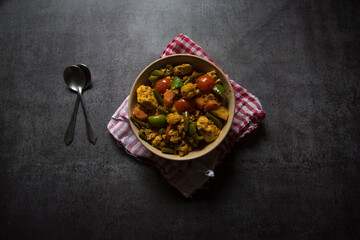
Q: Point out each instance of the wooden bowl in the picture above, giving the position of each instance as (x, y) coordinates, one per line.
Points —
(201, 65)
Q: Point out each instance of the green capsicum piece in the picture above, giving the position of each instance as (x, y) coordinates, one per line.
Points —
(193, 134)
(139, 123)
(157, 120)
(216, 121)
(177, 83)
(219, 90)
(186, 121)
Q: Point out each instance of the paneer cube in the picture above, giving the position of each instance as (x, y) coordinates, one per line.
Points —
(207, 128)
(146, 97)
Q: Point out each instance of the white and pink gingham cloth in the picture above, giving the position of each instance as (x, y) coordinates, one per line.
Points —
(189, 176)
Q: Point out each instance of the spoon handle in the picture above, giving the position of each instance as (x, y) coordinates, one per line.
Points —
(70, 131)
(89, 131)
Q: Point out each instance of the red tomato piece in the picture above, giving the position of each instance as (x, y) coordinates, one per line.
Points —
(162, 85)
(205, 83)
(185, 104)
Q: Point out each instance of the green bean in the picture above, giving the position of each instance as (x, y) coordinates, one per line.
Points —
(214, 119)
(139, 123)
(186, 121)
(167, 150)
(142, 135)
(192, 129)
(159, 73)
(153, 78)
(168, 70)
(192, 77)
(163, 110)
(187, 81)
(158, 96)
(196, 75)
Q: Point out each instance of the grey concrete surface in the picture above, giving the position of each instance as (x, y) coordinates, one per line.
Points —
(297, 177)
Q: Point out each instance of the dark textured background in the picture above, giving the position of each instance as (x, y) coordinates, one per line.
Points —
(297, 177)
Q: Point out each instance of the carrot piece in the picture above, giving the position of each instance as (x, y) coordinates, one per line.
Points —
(140, 114)
(211, 105)
(200, 103)
(169, 98)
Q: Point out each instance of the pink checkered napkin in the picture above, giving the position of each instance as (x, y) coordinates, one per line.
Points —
(189, 176)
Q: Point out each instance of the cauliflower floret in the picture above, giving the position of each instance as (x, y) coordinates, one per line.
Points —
(174, 136)
(188, 90)
(157, 140)
(213, 74)
(182, 69)
(185, 148)
(173, 118)
(192, 142)
(146, 97)
(148, 134)
(207, 128)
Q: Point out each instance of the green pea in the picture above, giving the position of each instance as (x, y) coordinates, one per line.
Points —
(162, 131)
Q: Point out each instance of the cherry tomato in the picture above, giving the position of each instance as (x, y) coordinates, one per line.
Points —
(205, 83)
(184, 104)
(162, 85)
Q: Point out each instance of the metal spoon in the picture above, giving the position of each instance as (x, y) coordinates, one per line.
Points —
(77, 78)
(89, 131)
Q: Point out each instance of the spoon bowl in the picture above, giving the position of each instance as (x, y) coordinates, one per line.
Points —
(87, 74)
(75, 78)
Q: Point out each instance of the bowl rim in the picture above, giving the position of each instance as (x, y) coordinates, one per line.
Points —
(216, 143)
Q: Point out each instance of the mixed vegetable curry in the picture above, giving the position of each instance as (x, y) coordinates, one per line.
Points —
(181, 109)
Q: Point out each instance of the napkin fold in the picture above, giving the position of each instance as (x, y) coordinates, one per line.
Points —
(189, 176)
